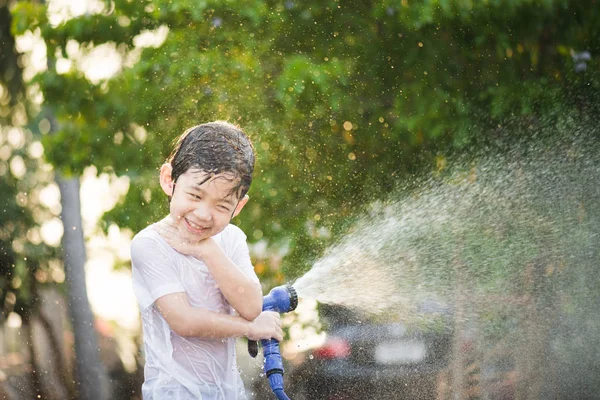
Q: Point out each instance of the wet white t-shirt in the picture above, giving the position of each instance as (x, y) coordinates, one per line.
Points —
(177, 367)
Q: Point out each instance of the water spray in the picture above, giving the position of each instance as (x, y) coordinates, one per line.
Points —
(281, 299)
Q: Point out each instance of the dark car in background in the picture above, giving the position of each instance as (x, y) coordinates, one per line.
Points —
(371, 359)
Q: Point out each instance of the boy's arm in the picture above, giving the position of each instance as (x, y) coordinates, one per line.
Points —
(243, 293)
(186, 320)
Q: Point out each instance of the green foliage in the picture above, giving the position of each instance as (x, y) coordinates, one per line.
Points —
(346, 100)
(342, 98)
(26, 262)
(27, 16)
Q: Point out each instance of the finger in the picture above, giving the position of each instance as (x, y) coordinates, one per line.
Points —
(159, 229)
(162, 222)
(163, 232)
(165, 229)
(166, 224)
(278, 333)
(172, 222)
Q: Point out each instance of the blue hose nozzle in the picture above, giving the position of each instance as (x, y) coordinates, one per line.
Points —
(281, 299)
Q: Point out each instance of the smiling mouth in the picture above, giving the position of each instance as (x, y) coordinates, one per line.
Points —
(195, 227)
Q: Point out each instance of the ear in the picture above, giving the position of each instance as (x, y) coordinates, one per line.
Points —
(166, 181)
(240, 205)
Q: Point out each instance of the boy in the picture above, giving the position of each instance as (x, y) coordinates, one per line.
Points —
(192, 270)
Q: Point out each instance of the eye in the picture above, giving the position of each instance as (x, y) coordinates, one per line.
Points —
(195, 196)
(223, 208)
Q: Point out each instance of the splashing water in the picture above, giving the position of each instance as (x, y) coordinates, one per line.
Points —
(482, 223)
(330, 282)
(509, 242)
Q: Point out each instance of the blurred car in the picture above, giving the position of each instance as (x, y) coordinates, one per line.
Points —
(371, 359)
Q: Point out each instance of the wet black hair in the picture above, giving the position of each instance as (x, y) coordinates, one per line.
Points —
(215, 147)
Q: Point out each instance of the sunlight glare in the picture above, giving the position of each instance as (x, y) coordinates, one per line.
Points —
(153, 38)
(50, 195)
(110, 291)
(17, 167)
(52, 232)
(101, 63)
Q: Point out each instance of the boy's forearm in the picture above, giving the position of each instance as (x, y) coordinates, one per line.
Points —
(208, 324)
(186, 320)
(244, 294)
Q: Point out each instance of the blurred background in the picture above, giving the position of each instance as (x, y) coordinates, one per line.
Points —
(465, 132)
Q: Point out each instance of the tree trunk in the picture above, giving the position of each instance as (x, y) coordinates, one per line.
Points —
(91, 377)
(46, 373)
(458, 360)
(536, 361)
(57, 353)
(36, 378)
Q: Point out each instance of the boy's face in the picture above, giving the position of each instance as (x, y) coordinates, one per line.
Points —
(201, 205)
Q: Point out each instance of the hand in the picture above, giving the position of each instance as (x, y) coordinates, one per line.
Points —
(171, 232)
(266, 326)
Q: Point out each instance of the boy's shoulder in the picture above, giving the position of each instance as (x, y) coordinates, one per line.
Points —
(148, 237)
(233, 233)
(147, 233)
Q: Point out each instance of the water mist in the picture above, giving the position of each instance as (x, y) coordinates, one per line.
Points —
(508, 241)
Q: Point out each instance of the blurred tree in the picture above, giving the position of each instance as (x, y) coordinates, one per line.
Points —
(27, 262)
(343, 98)
(34, 262)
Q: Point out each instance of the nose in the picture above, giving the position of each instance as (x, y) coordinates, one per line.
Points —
(202, 212)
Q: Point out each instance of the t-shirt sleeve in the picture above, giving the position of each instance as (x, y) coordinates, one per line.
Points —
(154, 271)
(240, 254)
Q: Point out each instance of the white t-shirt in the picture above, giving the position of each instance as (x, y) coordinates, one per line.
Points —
(177, 367)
